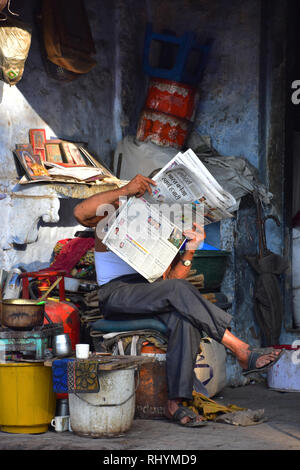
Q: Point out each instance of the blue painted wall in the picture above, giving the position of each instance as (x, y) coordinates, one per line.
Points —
(241, 108)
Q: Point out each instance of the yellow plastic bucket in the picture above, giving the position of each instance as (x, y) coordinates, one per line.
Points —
(27, 400)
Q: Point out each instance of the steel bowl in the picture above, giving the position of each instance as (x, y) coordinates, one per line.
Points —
(61, 345)
(22, 314)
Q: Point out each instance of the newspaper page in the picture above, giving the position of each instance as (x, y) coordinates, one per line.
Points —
(148, 231)
(143, 237)
(186, 180)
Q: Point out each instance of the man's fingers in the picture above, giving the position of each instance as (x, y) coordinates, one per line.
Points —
(149, 180)
(198, 227)
(189, 234)
(142, 184)
(146, 179)
(194, 236)
(146, 187)
(142, 189)
(149, 189)
(193, 231)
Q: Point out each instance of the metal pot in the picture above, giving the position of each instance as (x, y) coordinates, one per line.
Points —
(22, 314)
(61, 345)
(62, 407)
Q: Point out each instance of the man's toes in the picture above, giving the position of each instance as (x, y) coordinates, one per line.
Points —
(263, 360)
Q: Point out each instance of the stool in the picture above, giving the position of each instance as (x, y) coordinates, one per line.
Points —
(104, 332)
(114, 326)
(43, 274)
(187, 44)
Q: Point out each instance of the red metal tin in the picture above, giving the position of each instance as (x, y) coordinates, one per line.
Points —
(66, 313)
(152, 394)
(162, 129)
(170, 97)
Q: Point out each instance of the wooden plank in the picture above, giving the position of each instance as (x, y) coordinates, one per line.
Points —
(133, 361)
(199, 277)
(110, 362)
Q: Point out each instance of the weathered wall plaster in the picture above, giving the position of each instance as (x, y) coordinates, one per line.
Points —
(81, 110)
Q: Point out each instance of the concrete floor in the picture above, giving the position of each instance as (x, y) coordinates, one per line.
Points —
(280, 432)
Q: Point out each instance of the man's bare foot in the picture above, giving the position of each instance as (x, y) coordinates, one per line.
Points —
(242, 352)
(261, 361)
(172, 407)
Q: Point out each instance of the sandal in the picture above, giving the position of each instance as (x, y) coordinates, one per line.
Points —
(254, 355)
(183, 412)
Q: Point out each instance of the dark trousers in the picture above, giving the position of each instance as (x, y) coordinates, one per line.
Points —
(185, 312)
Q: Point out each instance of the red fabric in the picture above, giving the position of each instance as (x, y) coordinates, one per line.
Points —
(71, 253)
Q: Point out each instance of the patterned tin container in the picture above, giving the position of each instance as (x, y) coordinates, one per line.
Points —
(162, 129)
(173, 98)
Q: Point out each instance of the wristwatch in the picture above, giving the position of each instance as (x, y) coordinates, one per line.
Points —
(186, 262)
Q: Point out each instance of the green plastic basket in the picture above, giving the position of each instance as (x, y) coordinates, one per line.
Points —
(212, 264)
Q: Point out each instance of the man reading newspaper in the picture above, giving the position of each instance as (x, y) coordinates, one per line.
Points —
(135, 283)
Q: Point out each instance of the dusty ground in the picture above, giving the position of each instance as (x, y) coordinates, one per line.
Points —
(280, 432)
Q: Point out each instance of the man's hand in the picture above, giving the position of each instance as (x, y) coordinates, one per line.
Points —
(195, 236)
(138, 186)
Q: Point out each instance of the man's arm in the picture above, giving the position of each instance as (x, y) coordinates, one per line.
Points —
(86, 211)
(178, 270)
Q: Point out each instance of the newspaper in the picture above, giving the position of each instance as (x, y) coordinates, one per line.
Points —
(148, 232)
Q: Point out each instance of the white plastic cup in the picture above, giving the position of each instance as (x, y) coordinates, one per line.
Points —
(82, 351)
